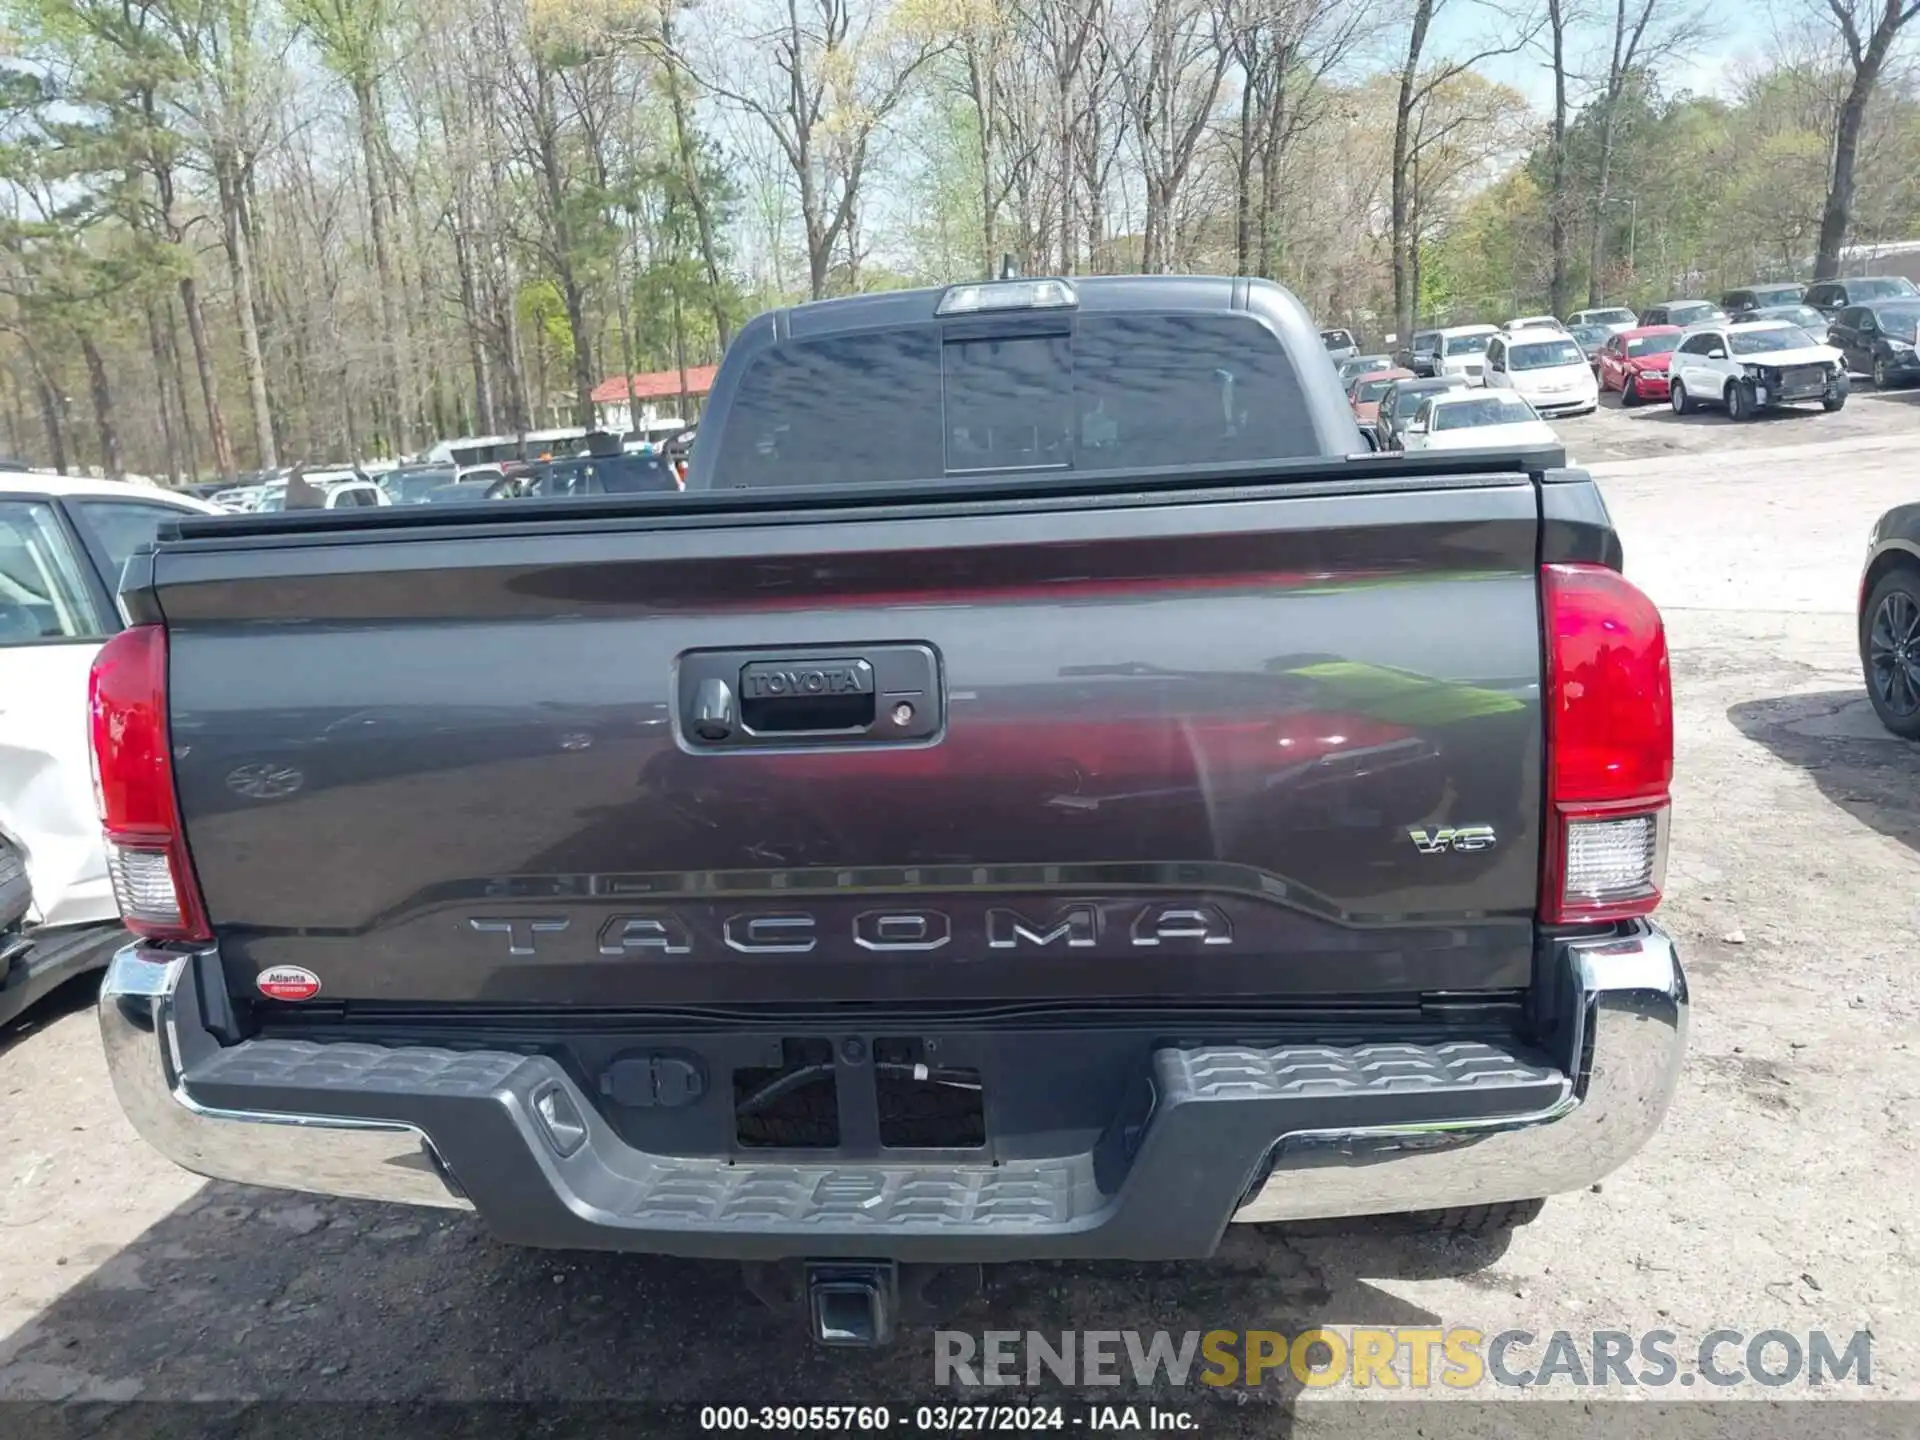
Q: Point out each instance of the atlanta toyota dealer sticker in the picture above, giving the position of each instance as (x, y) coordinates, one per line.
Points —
(288, 982)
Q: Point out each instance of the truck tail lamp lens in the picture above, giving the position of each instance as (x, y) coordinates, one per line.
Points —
(153, 880)
(1609, 709)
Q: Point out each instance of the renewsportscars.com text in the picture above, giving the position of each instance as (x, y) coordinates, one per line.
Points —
(1410, 1358)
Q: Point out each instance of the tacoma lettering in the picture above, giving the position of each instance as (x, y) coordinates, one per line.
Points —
(894, 930)
(1078, 925)
(632, 934)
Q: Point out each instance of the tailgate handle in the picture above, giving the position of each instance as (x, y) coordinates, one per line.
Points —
(875, 695)
(829, 694)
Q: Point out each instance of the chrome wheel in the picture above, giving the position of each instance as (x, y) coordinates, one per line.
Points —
(1893, 654)
(1879, 374)
(1677, 397)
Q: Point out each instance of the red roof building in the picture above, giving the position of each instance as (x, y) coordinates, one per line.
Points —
(656, 394)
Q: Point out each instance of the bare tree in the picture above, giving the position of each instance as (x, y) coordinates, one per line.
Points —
(352, 36)
(1173, 64)
(677, 82)
(1417, 83)
(989, 77)
(1561, 15)
(1639, 28)
(1061, 35)
(219, 41)
(1285, 50)
(1867, 31)
(823, 81)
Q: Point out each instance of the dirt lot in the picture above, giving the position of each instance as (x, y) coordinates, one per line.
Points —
(1654, 431)
(1783, 1192)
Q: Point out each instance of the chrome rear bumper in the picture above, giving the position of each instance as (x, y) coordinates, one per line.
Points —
(1235, 1134)
(1632, 1008)
(150, 1024)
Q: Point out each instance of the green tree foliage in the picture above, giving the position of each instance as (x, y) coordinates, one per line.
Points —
(372, 223)
(1707, 193)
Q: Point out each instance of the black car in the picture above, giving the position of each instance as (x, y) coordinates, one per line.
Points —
(1683, 313)
(1744, 303)
(1805, 316)
(645, 473)
(1878, 340)
(1401, 399)
(479, 487)
(1889, 620)
(412, 484)
(1421, 352)
(1590, 339)
(1830, 297)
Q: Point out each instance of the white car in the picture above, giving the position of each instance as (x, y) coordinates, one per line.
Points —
(1754, 367)
(1615, 317)
(1545, 368)
(1476, 420)
(1533, 322)
(1462, 351)
(240, 499)
(63, 544)
(339, 495)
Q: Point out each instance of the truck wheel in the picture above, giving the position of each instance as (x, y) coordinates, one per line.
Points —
(1889, 626)
(1833, 403)
(1478, 1221)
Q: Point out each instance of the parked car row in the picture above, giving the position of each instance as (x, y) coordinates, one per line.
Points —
(1763, 347)
(1765, 356)
(489, 468)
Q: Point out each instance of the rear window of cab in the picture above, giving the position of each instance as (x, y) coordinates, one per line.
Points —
(1097, 392)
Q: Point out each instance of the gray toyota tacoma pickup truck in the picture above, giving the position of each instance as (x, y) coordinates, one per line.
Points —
(1044, 790)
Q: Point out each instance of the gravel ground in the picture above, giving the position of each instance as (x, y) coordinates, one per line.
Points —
(1784, 1191)
(1654, 431)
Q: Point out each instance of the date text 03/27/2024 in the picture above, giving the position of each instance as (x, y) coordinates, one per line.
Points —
(940, 1419)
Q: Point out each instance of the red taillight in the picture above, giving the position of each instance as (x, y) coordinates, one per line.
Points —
(1609, 709)
(153, 879)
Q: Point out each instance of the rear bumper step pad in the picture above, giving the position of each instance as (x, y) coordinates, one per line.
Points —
(1215, 1134)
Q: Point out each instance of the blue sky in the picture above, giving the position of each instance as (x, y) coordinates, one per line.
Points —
(1462, 28)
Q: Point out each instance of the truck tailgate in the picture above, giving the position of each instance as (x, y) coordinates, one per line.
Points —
(1248, 743)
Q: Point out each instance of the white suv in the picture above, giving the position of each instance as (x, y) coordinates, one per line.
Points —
(63, 544)
(1754, 367)
(1546, 368)
(1462, 350)
(1615, 317)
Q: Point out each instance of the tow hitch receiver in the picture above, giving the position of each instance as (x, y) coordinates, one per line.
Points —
(861, 1302)
(853, 1304)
